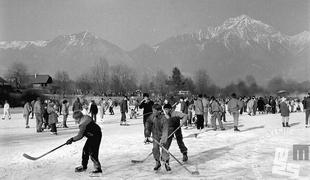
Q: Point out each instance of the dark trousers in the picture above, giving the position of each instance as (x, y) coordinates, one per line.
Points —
(307, 116)
(91, 148)
(123, 117)
(53, 127)
(144, 121)
(199, 121)
(39, 122)
(179, 137)
(111, 110)
(94, 117)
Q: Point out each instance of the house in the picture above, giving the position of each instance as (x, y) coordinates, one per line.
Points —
(40, 81)
(3, 82)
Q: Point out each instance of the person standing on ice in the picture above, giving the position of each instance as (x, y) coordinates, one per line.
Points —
(234, 106)
(157, 125)
(92, 131)
(146, 104)
(65, 113)
(26, 113)
(93, 110)
(52, 116)
(38, 112)
(199, 112)
(124, 109)
(216, 113)
(77, 105)
(306, 103)
(6, 110)
(285, 112)
(174, 118)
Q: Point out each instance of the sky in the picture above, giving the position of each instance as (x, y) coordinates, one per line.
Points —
(130, 23)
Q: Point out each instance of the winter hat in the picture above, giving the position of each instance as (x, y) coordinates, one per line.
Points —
(157, 107)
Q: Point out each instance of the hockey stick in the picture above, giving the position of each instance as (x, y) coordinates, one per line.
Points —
(192, 172)
(141, 161)
(36, 158)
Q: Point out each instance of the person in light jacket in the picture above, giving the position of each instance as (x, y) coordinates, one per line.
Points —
(234, 106)
(26, 113)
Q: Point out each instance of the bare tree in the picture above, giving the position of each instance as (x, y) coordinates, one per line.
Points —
(100, 75)
(62, 80)
(202, 81)
(17, 74)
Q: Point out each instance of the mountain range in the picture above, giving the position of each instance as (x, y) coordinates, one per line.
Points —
(239, 47)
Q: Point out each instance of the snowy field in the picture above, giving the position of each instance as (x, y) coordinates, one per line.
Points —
(249, 154)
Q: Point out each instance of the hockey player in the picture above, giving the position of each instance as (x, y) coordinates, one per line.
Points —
(92, 131)
(174, 118)
(157, 125)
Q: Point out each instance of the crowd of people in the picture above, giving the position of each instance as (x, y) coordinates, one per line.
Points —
(162, 118)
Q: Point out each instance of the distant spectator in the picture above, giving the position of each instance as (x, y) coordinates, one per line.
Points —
(52, 117)
(234, 106)
(285, 112)
(26, 113)
(124, 110)
(65, 113)
(6, 110)
(93, 110)
(77, 105)
(38, 111)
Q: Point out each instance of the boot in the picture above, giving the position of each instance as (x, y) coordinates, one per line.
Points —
(167, 166)
(157, 166)
(97, 171)
(236, 129)
(283, 125)
(185, 158)
(287, 125)
(80, 169)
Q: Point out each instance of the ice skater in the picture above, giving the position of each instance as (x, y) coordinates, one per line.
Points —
(174, 118)
(157, 125)
(285, 112)
(6, 110)
(92, 131)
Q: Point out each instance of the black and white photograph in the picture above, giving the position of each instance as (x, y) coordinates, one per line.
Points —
(155, 89)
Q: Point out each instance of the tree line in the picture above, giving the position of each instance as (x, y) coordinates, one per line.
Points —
(105, 79)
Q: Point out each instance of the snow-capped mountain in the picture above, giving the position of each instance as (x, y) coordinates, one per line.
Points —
(240, 46)
(75, 53)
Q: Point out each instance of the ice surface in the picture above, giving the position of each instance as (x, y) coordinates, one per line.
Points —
(249, 154)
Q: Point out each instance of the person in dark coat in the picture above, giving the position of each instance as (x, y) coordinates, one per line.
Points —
(124, 110)
(306, 103)
(157, 126)
(146, 104)
(93, 110)
(261, 105)
(92, 131)
(77, 105)
(285, 112)
(174, 118)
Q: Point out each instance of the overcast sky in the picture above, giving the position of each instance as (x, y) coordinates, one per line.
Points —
(129, 23)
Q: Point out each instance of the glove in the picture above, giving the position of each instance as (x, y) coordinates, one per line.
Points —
(162, 142)
(69, 141)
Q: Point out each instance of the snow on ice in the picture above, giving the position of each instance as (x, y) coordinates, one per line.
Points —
(250, 154)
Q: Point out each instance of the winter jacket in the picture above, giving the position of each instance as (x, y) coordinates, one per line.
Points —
(205, 103)
(27, 109)
(88, 128)
(37, 107)
(124, 106)
(93, 108)
(52, 115)
(234, 105)
(307, 103)
(147, 108)
(65, 109)
(215, 107)
(77, 106)
(284, 108)
(174, 119)
(198, 107)
(157, 126)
